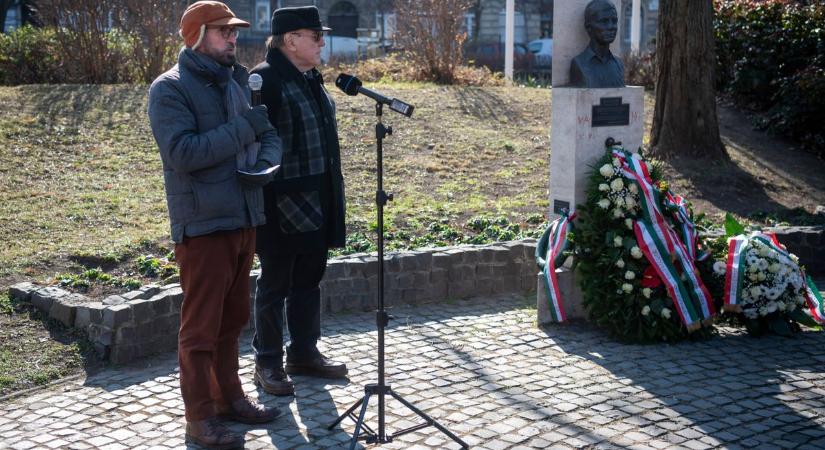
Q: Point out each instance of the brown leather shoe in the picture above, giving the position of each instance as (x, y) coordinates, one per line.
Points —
(246, 410)
(316, 366)
(274, 381)
(210, 433)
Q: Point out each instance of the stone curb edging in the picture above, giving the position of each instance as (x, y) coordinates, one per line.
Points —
(145, 321)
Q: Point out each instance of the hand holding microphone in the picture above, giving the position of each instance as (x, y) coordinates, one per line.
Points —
(352, 86)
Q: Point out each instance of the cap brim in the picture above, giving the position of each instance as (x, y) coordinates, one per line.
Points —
(230, 21)
(322, 28)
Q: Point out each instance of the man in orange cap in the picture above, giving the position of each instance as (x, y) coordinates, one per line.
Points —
(206, 132)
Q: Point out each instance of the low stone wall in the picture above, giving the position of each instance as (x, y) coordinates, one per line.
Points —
(144, 321)
(808, 243)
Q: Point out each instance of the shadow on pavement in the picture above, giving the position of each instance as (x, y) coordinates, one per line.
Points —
(729, 382)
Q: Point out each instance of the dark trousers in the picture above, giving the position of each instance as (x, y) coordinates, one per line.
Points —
(291, 279)
(214, 276)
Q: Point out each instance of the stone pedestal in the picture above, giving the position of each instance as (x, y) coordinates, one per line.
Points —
(582, 121)
(576, 142)
(571, 297)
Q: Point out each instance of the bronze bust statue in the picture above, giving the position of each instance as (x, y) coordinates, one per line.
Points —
(596, 67)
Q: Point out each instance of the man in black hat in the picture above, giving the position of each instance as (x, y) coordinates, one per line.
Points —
(304, 205)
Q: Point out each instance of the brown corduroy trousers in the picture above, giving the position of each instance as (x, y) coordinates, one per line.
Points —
(214, 276)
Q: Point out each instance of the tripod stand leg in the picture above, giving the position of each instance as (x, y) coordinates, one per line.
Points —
(345, 414)
(430, 420)
(361, 415)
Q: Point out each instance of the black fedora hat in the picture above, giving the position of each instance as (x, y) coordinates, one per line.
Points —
(285, 20)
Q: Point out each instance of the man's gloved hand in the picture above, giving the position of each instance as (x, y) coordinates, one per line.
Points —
(258, 117)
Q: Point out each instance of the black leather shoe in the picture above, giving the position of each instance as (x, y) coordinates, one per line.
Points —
(316, 366)
(211, 434)
(274, 381)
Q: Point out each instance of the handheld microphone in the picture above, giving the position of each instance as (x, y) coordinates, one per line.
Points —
(255, 83)
(352, 86)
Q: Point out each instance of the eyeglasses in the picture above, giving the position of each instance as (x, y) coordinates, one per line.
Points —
(226, 31)
(315, 36)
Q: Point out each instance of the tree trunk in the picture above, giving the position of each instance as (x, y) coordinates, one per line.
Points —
(684, 119)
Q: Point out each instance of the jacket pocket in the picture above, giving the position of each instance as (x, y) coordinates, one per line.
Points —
(181, 206)
(300, 212)
(218, 199)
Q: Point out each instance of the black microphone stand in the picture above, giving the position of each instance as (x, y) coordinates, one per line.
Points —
(382, 319)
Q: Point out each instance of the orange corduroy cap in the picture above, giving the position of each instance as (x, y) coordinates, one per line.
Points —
(200, 14)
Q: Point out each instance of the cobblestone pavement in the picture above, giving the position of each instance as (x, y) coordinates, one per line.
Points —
(483, 370)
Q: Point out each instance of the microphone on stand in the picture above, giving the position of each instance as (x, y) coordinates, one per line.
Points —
(255, 83)
(352, 86)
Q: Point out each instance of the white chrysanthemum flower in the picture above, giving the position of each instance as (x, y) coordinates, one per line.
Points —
(628, 223)
(770, 307)
(617, 185)
(762, 264)
(752, 268)
(761, 276)
(617, 241)
(666, 313)
(604, 203)
(646, 292)
(763, 311)
(606, 171)
(617, 162)
(630, 202)
(773, 294)
(629, 275)
(620, 263)
(636, 252)
(774, 268)
(719, 267)
(646, 310)
(781, 306)
(604, 187)
(618, 213)
(627, 287)
(751, 259)
(633, 189)
(756, 292)
(764, 251)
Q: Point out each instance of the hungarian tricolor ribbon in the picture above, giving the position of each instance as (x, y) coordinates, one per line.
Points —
(665, 251)
(557, 242)
(736, 270)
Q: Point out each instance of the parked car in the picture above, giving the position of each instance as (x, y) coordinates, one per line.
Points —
(492, 55)
(542, 49)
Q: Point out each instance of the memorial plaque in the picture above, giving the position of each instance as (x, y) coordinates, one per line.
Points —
(560, 207)
(611, 112)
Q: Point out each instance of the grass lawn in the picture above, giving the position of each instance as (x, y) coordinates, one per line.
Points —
(82, 185)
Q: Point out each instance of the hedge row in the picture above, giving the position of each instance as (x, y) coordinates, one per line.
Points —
(771, 56)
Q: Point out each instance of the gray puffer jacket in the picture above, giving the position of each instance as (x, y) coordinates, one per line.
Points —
(198, 145)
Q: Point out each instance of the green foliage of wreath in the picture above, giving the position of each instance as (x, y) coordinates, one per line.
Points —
(616, 279)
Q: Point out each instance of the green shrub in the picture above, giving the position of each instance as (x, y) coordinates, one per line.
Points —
(771, 57)
(30, 55)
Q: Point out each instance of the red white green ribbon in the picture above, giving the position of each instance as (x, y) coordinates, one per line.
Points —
(735, 271)
(558, 243)
(691, 298)
(686, 227)
(814, 300)
(659, 258)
